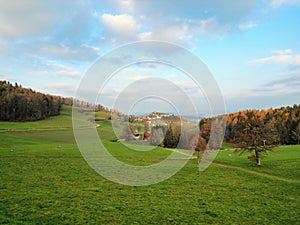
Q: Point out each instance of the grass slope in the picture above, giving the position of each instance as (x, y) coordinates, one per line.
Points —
(45, 180)
(64, 120)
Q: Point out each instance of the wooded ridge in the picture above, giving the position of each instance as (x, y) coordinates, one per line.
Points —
(272, 126)
(23, 104)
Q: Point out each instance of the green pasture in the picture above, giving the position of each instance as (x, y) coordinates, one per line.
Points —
(102, 116)
(45, 180)
(62, 121)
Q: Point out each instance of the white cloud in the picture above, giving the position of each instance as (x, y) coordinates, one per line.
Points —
(33, 32)
(277, 3)
(68, 73)
(177, 21)
(50, 73)
(127, 5)
(55, 65)
(247, 26)
(121, 26)
(174, 33)
(282, 52)
(39, 73)
(41, 29)
(281, 56)
(81, 53)
(288, 59)
(192, 9)
(211, 27)
(183, 32)
(31, 17)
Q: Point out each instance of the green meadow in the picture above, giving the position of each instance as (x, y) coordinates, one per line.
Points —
(45, 180)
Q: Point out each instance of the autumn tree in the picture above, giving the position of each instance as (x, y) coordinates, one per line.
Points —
(200, 145)
(256, 137)
(172, 135)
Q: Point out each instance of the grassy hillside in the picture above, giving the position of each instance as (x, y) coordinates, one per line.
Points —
(64, 120)
(45, 180)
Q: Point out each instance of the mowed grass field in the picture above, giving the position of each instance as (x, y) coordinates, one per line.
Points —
(45, 180)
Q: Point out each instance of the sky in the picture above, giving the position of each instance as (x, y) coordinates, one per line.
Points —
(251, 48)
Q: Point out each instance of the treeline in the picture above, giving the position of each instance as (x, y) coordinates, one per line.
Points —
(23, 104)
(245, 129)
(84, 106)
(270, 127)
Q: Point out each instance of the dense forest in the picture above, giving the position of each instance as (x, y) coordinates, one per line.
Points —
(23, 104)
(271, 126)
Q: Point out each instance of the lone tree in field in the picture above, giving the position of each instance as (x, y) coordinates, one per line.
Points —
(200, 145)
(257, 137)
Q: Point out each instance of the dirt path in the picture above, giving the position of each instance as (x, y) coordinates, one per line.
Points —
(257, 173)
(247, 170)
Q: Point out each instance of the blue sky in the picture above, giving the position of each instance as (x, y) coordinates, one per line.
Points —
(251, 47)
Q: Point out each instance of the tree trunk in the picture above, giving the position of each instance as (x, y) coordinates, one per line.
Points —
(198, 157)
(257, 158)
